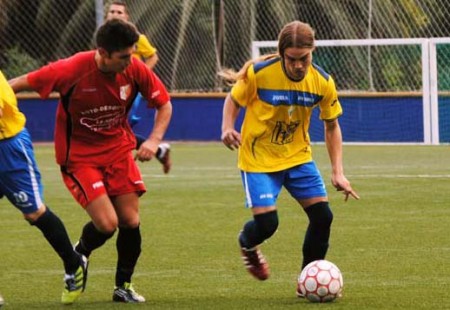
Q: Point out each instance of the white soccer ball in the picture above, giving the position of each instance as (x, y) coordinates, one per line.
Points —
(320, 281)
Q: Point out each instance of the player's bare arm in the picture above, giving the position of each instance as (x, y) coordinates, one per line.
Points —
(230, 137)
(151, 61)
(149, 148)
(333, 140)
(20, 83)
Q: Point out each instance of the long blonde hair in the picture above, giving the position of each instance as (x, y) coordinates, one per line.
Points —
(294, 34)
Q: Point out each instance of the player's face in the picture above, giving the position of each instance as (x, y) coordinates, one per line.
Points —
(117, 11)
(296, 62)
(117, 61)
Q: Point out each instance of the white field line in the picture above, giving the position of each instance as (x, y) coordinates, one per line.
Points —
(355, 176)
(401, 176)
(233, 172)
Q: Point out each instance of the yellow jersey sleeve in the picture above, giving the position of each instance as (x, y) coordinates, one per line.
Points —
(244, 91)
(143, 48)
(330, 107)
(12, 121)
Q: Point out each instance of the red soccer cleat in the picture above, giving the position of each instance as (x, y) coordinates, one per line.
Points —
(255, 263)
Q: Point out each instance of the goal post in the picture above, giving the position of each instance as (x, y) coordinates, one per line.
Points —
(425, 60)
(434, 56)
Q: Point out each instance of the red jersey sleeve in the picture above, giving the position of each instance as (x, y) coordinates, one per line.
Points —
(61, 75)
(42, 80)
(46, 79)
(150, 86)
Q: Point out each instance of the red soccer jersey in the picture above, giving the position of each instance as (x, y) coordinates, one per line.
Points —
(91, 119)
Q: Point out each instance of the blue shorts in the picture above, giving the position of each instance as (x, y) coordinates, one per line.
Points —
(302, 182)
(20, 179)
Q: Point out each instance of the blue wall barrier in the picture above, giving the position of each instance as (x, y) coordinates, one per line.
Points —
(365, 119)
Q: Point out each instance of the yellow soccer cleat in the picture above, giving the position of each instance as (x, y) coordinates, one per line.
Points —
(127, 294)
(75, 283)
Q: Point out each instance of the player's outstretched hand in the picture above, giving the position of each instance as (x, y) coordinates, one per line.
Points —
(343, 185)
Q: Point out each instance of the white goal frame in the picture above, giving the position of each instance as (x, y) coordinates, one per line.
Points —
(429, 73)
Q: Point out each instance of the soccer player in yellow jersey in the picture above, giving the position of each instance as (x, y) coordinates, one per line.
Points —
(146, 52)
(20, 182)
(279, 92)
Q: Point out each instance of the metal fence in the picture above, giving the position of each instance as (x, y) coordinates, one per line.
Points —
(196, 38)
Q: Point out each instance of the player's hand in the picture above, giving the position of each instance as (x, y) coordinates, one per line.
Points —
(343, 185)
(146, 151)
(231, 138)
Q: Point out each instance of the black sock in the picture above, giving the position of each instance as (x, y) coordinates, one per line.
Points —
(317, 235)
(55, 233)
(261, 228)
(128, 249)
(91, 239)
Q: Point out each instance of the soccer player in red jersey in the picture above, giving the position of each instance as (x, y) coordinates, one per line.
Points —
(94, 141)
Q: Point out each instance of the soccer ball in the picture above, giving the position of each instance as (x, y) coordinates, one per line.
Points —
(320, 281)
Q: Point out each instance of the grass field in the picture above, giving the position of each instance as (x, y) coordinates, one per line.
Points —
(392, 246)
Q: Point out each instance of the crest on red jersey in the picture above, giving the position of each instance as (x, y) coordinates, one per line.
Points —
(125, 92)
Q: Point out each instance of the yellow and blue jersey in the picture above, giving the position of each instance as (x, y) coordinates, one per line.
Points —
(278, 110)
(13, 121)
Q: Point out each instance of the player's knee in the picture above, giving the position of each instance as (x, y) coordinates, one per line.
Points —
(320, 214)
(107, 227)
(267, 223)
(130, 223)
(130, 220)
(32, 217)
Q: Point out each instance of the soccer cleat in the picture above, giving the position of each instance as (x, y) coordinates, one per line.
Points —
(163, 156)
(255, 263)
(75, 283)
(127, 294)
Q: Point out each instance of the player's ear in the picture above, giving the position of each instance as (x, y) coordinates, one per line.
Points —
(103, 53)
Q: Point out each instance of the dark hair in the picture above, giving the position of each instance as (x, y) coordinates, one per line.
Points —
(295, 34)
(115, 35)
